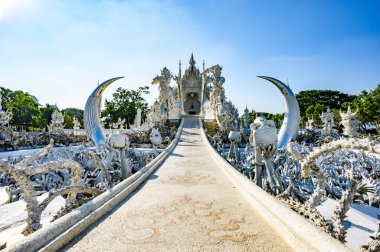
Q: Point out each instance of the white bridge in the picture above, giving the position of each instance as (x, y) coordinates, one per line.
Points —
(188, 198)
(197, 201)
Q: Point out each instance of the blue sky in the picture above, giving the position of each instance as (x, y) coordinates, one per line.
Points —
(58, 49)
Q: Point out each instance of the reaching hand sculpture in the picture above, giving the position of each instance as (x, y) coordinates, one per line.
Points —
(374, 243)
(308, 164)
(264, 139)
(120, 142)
(119, 124)
(155, 138)
(235, 137)
(21, 173)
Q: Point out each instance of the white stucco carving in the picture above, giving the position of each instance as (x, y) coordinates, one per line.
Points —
(350, 123)
(193, 93)
(328, 122)
(57, 122)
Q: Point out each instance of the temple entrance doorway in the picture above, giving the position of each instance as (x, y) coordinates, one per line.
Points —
(192, 105)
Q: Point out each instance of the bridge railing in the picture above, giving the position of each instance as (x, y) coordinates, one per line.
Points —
(300, 234)
(57, 234)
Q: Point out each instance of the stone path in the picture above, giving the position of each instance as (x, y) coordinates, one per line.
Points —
(188, 204)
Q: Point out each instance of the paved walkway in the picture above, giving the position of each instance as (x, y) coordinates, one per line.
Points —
(188, 204)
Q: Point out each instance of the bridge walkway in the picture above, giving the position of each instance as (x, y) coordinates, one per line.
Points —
(188, 204)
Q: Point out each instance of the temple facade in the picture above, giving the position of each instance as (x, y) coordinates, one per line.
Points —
(194, 92)
(191, 88)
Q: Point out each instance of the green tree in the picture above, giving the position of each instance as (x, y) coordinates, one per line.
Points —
(24, 109)
(45, 115)
(124, 104)
(368, 105)
(6, 96)
(327, 98)
(69, 114)
(314, 111)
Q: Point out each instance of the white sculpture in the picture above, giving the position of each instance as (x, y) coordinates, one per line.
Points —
(119, 124)
(155, 137)
(76, 123)
(264, 140)
(21, 173)
(165, 90)
(217, 94)
(174, 108)
(310, 124)
(5, 116)
(120, 142)
(290, 125)
(374, 242)
(57, 122)
(8, 137)
(5, 195)
(168, 105)
(264, 132)
(91, 115)
(350, 123)
(328, 122)
(154, 114)
(235, 138)
(137, 120)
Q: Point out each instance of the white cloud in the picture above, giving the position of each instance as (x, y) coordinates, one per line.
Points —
(9, 7)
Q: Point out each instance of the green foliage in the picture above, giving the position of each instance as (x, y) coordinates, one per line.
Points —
(313, 102)
(45, 115)
(212, 127)
(328, 98)
(124, 105)
(6, 96)
(368, 103)
(69, 114)
(24, 109)
(314, 111)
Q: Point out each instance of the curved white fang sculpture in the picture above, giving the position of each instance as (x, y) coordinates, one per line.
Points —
(91, 116)
(292, 113)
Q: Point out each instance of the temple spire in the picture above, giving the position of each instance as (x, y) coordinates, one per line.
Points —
(179, 69)
(246, 119)
(192, 61)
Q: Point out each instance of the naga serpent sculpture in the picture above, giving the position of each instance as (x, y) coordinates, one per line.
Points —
(291, 121)
(91, 116)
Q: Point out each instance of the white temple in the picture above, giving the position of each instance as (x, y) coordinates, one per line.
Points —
(194, 93)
